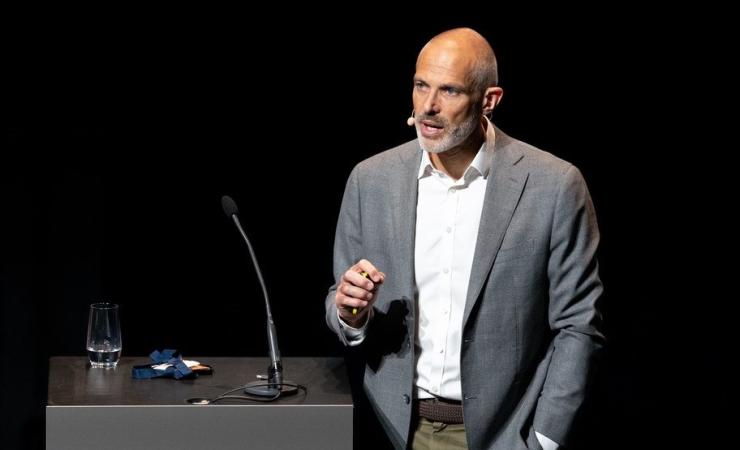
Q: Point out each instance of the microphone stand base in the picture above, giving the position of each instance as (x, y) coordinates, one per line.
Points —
(263, 388)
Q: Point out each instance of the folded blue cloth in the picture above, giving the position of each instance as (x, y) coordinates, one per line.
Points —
(177, 369)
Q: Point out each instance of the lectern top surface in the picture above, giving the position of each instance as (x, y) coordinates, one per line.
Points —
(73, 383)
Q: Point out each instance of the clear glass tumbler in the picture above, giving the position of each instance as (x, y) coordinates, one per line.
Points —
(104, 335)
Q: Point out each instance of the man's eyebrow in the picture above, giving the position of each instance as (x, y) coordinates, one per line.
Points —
(443, 86)
(453, 86)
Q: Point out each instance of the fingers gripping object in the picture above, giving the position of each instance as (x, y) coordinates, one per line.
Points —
(355, 309)
(366, 275)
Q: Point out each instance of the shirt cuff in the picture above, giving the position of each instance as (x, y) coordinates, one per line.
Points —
(545, 442)
(354, 336)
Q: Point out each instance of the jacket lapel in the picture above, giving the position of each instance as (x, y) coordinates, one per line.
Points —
(505, 185)
(404, 196)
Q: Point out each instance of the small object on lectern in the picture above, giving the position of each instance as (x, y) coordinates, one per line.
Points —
(169, 364)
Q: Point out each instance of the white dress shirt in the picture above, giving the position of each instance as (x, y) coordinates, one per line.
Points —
(447, 217)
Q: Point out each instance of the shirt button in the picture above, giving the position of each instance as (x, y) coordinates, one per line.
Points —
(449, 229)
(446, 270)
(406, 399)
(441, 351)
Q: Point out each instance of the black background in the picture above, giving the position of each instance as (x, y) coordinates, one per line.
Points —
(122, 134)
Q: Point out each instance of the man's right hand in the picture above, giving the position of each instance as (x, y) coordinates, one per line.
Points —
(357, 292)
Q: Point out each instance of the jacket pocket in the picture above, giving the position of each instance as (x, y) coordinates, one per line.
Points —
(516, 251)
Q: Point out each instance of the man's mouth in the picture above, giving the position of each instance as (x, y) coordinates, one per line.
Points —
(430, 129)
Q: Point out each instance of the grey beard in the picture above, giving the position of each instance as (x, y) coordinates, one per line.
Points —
(451, 140)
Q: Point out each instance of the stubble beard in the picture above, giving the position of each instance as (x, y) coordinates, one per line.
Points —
(450, 139)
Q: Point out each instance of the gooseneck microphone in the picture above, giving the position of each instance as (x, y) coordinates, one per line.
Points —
(275, 385)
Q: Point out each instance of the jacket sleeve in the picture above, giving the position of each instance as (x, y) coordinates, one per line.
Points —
(347, 247)
(574, 292)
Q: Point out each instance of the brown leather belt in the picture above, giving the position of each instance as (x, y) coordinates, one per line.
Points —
(440, 410)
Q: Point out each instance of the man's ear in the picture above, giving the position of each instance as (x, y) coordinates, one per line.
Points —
(491, 98)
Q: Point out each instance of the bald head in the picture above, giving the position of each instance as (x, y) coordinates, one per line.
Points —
(471, 51)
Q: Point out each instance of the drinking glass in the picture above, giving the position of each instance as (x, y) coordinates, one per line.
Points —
(104, 335)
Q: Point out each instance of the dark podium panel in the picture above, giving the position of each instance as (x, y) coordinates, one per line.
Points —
(108, 409)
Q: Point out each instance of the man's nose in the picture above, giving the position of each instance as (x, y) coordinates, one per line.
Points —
(430, 105)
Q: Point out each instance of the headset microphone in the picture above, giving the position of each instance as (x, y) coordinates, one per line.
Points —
(411, 121)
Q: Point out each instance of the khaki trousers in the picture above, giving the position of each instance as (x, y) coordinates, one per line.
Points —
(438, 436)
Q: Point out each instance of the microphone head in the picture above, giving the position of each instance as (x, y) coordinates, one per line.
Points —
(410, 121)
(229, 206)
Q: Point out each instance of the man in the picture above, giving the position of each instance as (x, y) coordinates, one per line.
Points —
(465, 265)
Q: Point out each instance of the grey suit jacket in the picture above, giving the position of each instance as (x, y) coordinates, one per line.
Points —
(531, 327)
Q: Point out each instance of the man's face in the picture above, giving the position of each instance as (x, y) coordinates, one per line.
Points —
(447, 110)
